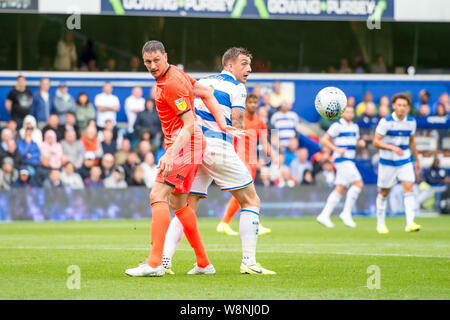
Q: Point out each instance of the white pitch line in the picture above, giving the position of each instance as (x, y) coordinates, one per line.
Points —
(234, 250)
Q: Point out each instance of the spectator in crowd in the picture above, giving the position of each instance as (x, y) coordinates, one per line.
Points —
(129, 166)
(150, 170)
(53, 124)
(424, 98)
(383, 111)
(108, 144)
(110, 65)
(19, 101)
(358, 65)
(8, 174)
(133, 105)
(13, 153)
(286, 179)
(43, 169)
(308, 178)
(29, 149)
(440, 110)
(63, 103)
(12, 125)
(361, 107)
(265, 103)
(138, 177)
(94, 180)
(84, 112)
(378, 66)
(120, 157)
(107, 105)
(277, 98)
(66, 53)
(87, 55)
(135, 64)
(73, 148)
(88, 163)
(116, 180)
(160, 152)
(24, 180)
(344, 68)
(290, 152)
(53, 180)
(424, 111)
(276, 165)
(326, 174)
(71, 123)
(286, 122)
(6, 136)
(444, 99)
(257, 91)
(144, 147)
(369, 118)
(300, 164)
(148, 120)
(30, 123)
(117, 134)
(107, 165)
(42, 102)
(435, 174)
(384, 101)
(52, 147)
(319, 158)
(91, 142)
(70, 178)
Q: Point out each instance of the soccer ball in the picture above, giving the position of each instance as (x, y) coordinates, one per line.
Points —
(331, 102)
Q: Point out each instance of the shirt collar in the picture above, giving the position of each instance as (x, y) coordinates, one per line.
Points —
(394, 116)
(228, 73)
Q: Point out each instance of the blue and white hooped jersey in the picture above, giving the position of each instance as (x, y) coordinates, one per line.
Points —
(397, 133)
(345, 135)
(230, 94)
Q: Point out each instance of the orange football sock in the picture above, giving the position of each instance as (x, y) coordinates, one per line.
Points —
(231, 210)
(160, 224)
(189, 220)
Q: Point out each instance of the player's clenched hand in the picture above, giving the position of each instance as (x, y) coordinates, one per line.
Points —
(397, 150)
(234, 132)
(341, 151)
(165, 164)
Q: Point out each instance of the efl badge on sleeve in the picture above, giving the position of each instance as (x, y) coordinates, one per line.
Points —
(181, 104)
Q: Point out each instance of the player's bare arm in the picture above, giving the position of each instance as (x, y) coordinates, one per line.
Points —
(412, 146)
(165, 164)
(327, 142)
(377, 143)
(8, 105)
(237, 118)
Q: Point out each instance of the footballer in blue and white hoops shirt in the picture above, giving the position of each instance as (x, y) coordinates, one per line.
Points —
(394, 136)
(342, 137)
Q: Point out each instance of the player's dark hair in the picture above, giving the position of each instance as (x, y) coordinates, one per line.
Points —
(233, 53)
(152, 46)
(20, 77)
(251, 96)
(403, 96)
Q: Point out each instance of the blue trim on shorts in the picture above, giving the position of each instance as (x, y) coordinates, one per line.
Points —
(394, 163)
(342, 159)
(234, 188)
(198, 193)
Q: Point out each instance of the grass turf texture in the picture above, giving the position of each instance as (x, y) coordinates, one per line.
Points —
(312, 262)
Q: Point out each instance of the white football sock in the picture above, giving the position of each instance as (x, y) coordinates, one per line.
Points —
(332, 201)
(410, 207)
(173, 237)
(350, 200)
(381, 210)
(248, 230)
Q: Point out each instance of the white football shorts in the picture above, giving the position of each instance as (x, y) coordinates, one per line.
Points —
(221, 164)
(346, 173)
(389, 175)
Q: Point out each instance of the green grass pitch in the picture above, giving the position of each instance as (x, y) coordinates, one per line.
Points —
(312, 262)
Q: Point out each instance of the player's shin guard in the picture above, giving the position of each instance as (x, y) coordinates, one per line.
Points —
(160, 224)
(332, 201)
(189, 220)
(173, 237)
(350, 200)
(410, 206)
(381, 210)
(248, 230)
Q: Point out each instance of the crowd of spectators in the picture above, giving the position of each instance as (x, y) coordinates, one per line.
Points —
(63, 141)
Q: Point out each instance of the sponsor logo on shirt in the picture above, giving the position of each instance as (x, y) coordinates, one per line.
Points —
(181, 104)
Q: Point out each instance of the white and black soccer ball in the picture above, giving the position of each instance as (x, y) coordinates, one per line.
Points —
(331, 102)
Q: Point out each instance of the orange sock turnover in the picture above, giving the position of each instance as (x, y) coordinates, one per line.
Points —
(231, 210)
(160, 224)
(189, 220)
